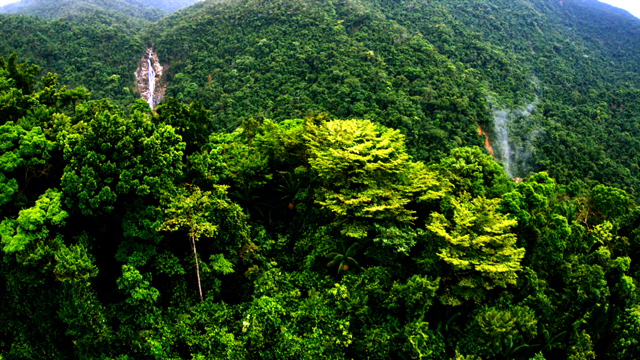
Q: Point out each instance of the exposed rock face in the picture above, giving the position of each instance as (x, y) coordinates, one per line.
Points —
(487, 145)
(149, 78)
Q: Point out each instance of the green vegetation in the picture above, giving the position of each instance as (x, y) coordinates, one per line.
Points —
(559, 77)
(68, 49)
(283, 59)
(562, 78)
(314, 185)
(308, 237)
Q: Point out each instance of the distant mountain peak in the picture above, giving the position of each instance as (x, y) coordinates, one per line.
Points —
(168, 5)
(150, 10)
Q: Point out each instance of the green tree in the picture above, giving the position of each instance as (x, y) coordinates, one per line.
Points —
(111, 156)
(189, 209)
(366, 175)
(73, 96)
(472, 171)
(22, 74)
(190, 121)
(496, 332)
(626, 345)
(478, 248)
(24, 157)
(344, 259)
(610, 202)
(35, 223)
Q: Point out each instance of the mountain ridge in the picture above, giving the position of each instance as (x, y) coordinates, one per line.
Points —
(67, 8)
(149, 10)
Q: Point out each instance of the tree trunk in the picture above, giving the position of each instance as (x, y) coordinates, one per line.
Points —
(195, 257)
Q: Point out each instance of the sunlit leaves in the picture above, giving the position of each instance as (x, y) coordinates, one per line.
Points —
(479, 248)
(137, 288)
(73, 264)
(610, 201)
(365, 173)
(189, 210)
(500, 332)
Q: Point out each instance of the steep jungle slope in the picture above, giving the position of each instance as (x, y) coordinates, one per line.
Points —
(127, 14)
(553, 84)
(538, 70)
(101, 59)
(573, 62)
(584, 55)
(287, 58)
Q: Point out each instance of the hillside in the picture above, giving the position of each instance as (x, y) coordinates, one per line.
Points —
(284, 59)
(81, 55)
(150, 10)
(125, 15)
(554, 99)
(554, 90)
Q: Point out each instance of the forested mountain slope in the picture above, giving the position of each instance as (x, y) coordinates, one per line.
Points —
(285, 58)
(559, 98)
(97, 58)
(583, 57)
(150, 10)
(552, 83)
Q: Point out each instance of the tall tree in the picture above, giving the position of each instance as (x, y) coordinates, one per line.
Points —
(366, 174)
(189, 209)
(478, 247)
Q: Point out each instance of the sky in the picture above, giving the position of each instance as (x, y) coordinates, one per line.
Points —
(632, 6)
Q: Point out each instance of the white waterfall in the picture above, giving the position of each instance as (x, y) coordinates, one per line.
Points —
(149, 78)
(514, 154)
(501, 122)
(152, 80)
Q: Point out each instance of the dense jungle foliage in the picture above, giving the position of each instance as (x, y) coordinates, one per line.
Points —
(314, 185)
(561, 77)
(141, 235)
(96, 58)
(105, 12)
